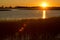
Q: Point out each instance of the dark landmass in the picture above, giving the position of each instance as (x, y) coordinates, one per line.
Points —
(35, 29)
(5, 9)
(31, 8)
(38, 8)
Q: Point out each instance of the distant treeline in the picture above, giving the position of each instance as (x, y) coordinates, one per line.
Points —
(31, 8)
(37, 8)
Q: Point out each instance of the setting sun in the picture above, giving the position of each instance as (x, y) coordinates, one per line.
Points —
(44, 5)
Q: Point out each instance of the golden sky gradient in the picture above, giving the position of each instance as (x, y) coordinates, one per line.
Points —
(51, 3)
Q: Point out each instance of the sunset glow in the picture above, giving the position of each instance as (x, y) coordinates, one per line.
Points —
(29, 3)
(44, 5)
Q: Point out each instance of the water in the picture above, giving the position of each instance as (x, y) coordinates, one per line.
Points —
(24, 14)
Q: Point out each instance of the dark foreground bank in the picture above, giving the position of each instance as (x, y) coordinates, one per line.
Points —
(30, 29)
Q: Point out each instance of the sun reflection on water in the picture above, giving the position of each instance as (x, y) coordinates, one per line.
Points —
(44, 14)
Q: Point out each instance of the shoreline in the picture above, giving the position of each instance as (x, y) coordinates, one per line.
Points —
(19, 19)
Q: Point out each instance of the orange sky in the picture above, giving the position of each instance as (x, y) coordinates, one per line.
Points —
(29, 2)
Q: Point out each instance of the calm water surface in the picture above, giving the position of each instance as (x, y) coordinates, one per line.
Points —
(23, 14)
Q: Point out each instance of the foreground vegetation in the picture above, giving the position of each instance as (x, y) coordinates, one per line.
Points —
(31, 29)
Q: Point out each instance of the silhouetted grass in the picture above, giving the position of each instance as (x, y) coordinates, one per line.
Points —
(36, 29)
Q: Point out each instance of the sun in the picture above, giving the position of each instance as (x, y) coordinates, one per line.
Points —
(44, 5)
